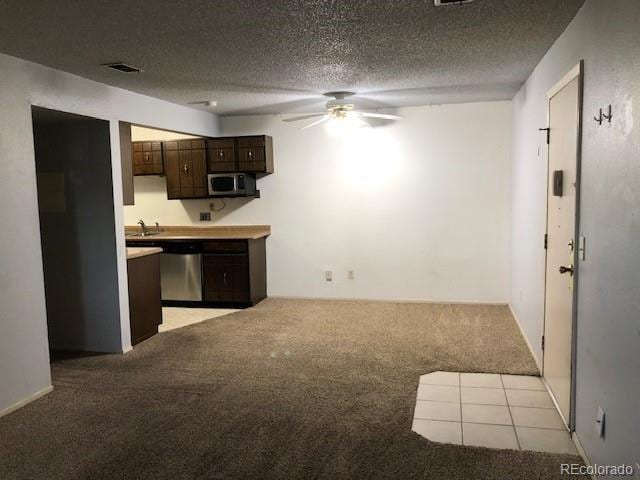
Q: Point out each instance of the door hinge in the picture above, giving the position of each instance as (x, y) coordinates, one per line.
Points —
(546, 241)
(542, 342)
(548, 130)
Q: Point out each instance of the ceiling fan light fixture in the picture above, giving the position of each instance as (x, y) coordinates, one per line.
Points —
(340, 111)
(344, 123)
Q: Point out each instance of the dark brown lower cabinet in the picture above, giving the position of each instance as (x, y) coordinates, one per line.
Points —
(145, 305)
(234, 271)
(226, 278)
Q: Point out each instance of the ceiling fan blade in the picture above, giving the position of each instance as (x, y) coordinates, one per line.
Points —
(303, 117)
(386, 116)
(317, 122)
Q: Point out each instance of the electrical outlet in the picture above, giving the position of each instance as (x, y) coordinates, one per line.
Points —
(600, 422)
(205, 216)
(328, 275)
(350, 275)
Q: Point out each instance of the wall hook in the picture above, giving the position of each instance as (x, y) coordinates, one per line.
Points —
(599, 118)
(607, 117)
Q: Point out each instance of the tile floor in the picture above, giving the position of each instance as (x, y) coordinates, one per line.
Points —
(489, 410)
(174, 317)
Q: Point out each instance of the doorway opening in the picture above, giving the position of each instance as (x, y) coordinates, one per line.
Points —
(77, 231)
(564, 103)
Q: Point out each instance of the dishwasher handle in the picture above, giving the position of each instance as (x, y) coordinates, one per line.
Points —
(181, 248)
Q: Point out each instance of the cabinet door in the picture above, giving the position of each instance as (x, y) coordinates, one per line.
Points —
(156, 158)
(186, 173)
(251, 159)
(138, 162)
(226, 278)
(172, 170)
(255, 154)
(145, 305)
(199, 166)
(147, 158)
(221, 155)
(186, 169)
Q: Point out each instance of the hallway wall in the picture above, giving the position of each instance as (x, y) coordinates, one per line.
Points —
(605, 35)
(24, 359)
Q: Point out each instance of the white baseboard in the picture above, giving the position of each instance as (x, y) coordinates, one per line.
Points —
(531, 349)
(394, 300)
(581, 452)
(24, 401)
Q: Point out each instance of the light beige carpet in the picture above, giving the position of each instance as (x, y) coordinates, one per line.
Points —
(290, 389)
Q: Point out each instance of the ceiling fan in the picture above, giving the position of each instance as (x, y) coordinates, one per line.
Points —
(340, 108)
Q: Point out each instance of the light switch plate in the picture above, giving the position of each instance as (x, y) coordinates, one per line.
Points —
(600, 422)
(328, 275)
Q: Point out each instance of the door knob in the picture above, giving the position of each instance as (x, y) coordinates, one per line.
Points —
(564, 269)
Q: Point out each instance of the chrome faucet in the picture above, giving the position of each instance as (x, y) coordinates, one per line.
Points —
(158, 228)
(144, 227)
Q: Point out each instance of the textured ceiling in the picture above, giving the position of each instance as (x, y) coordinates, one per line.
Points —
(279, 56)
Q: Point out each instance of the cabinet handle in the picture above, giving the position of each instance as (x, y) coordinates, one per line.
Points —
(224, 278)
(185, 169)
(250, 154)
(222, 154)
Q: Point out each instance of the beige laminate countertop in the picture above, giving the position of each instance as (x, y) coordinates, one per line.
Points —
(137, 252)
(217, 232)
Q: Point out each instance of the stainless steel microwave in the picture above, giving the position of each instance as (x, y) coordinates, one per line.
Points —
(231, 184)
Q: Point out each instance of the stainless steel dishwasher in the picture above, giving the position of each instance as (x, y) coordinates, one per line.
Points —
(181, 271)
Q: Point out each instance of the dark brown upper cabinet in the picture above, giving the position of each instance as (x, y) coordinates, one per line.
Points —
(186, 168)
(250, 154)
(221, 155)
(147, 158)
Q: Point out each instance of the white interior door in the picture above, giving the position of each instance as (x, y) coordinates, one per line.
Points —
(562, 195)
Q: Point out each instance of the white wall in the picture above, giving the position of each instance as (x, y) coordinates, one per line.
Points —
(418, 209)
(141, 134)
(24, 361)
(605, 35)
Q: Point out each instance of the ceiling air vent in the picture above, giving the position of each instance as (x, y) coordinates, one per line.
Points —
(122, 67)
(440, 3)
